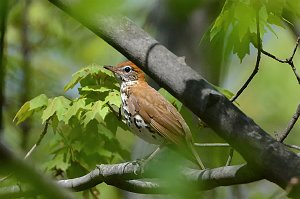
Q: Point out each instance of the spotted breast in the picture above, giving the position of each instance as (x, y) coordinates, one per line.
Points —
(134, 119)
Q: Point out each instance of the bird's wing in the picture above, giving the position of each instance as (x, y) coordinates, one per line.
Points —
(159, 114)
(164, 118)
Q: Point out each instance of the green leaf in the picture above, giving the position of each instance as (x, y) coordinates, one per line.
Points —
(223, 21)
(38, 102)
(76, 106)
(75, 170)
(104, 111)
(242, 48)
(245, 17)
(276, 20)
(95, 88)
(59, 162)
(54, 123)
(91, 70)
(236, 23)
(30, 107)
(23, 113)
(113, 98)
(94, 113)
(57, 106)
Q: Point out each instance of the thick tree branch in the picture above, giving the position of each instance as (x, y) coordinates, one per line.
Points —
(264, 154)
(124, 176)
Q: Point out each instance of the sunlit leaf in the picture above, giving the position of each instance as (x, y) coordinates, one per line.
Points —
(113, 98)
(95, 88)
(30, 107)
(236, 23)
(58, 106)
(94, 113)
(92, 70)
(73, 109)
(38, 102)
(23, 113)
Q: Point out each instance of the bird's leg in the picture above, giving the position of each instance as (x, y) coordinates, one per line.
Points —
(142, 162)
(153, 154)
(195, 154)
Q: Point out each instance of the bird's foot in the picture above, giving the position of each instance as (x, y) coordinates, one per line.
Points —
(139, 166)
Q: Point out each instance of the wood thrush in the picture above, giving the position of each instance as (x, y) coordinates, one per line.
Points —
(150, 115)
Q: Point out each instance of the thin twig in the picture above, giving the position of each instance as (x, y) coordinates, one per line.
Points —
(293, 146)
(295, 49)
(229, 160)
(211, 145)
(259, 48)
(287, 61)
(273, 56)
(39, 140)
(290, 126)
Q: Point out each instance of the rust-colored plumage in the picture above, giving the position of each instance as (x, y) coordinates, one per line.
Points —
(149, 114)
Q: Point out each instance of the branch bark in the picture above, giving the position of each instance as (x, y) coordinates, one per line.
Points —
(124, 176)
(264, 154)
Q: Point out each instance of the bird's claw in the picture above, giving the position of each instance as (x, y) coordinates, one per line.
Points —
(139, 166)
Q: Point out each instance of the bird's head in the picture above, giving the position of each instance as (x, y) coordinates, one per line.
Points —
(127, 72)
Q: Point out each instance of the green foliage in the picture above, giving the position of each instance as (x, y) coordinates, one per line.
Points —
(237, 24)
(30, 107)
(84, 127)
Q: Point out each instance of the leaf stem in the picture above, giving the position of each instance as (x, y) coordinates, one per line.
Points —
(258, 57)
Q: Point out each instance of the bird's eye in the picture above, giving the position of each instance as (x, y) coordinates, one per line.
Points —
(127, 69)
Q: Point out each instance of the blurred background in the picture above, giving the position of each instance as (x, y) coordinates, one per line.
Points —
(43, 47)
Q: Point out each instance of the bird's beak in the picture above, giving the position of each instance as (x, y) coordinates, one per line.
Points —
(110, 68)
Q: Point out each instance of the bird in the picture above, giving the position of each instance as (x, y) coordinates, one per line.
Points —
(150, 116)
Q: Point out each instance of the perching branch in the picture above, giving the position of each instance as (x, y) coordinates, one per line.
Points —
(123, 176)
(264, 155)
